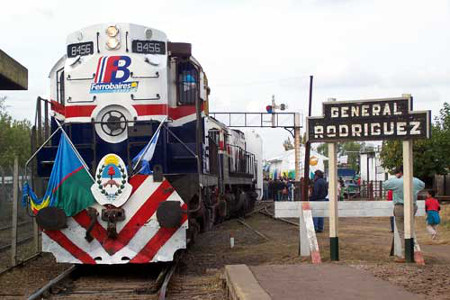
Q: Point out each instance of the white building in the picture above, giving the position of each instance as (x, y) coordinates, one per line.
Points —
(370, 165)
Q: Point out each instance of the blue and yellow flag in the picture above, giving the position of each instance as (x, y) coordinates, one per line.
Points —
(69, 186)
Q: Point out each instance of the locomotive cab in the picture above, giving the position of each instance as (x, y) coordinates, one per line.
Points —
(115, 85)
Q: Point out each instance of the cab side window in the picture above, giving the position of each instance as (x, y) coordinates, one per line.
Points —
(187, 83)
(60, 86)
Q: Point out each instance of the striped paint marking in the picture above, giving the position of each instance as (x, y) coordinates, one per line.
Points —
(311, 233)
(134, 224)
(69, 246)
(80, 111)
(140, 237)
(156, 242)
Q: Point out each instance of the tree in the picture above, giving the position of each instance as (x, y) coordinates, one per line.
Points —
(14, 138)
(431, 156)
(352, 149)
(287, 144)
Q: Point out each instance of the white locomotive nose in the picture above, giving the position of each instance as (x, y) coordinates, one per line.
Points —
(111, 123)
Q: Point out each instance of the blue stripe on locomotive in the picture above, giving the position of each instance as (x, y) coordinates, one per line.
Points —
(170, 153)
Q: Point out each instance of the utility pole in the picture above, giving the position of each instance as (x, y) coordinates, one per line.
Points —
(307, 147)
(297, 146)
(274, 108)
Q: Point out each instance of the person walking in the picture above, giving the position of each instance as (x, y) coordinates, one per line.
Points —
(290, 187)
(284, 190)
(319, 193)
(272, 189)
(276, 187)
(266, 189)
(432, 208)
(389, 196)
(396, 185)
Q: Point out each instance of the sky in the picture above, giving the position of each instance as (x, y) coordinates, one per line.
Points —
(252, 49)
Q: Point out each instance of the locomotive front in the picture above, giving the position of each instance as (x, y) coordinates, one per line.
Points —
(135, 167)
(112, 92)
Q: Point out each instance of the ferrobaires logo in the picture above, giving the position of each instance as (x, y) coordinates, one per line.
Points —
(112, 75)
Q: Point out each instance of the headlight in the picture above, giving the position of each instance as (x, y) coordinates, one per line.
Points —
(148, 34)
(112, 31)
(112, 43)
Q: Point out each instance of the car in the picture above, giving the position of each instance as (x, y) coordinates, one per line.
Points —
(351, 188)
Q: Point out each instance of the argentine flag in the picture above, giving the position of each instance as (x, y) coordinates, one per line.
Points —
(142, 160)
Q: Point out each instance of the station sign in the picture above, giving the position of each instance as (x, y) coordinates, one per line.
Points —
(379, 119)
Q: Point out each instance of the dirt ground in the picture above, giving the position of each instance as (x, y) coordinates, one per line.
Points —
(364, 244)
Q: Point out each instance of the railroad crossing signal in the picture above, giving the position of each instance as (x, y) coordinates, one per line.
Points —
(271, 109)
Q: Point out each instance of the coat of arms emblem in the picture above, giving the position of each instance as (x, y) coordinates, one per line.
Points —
(111, 181)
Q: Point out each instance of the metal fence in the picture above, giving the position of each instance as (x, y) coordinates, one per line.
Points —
(19, 236)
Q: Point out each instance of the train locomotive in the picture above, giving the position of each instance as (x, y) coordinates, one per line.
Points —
(121, 91)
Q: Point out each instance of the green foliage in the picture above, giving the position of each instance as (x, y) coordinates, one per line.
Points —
(431, 156)
(287, 144)
(351, 149)
(14, 138)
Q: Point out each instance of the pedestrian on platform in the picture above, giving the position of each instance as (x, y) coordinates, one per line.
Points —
(266, 189)
(280, 189)
(284, 191)
(396, 185)
(389, 198)
(276, 187)
(432, 208)
(271, 189)
(290, 187)
(319, 193)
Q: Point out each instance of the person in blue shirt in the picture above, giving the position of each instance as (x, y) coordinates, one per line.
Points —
(319, 193)
(396, 185)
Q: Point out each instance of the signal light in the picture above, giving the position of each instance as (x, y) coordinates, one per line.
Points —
(269, 109)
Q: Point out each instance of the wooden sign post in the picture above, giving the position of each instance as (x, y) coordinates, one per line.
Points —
(408, 200)
(333, 199)
(379, 119)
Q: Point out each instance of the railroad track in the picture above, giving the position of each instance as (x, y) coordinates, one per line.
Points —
(240, 220)
(19, 242)
(266, 213)
(18, 225)
(110, 282)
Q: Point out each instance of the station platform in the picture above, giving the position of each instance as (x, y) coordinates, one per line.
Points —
(306, 281)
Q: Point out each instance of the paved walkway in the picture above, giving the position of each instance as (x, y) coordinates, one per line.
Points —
(325, 281)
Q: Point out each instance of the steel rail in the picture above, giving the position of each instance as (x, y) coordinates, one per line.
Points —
(21, 263)
(22, 241)
(268, 214)
(51, 283)
(20, 224)
(165, 284)
(253, 229)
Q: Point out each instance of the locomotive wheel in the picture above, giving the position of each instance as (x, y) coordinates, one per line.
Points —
(193, 231)
(250, 202)
(207, 220)
(221, 211)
